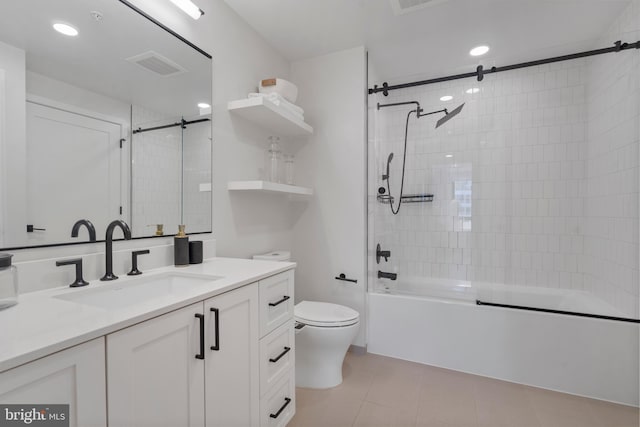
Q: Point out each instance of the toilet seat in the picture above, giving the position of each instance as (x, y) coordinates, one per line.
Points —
(324, 314)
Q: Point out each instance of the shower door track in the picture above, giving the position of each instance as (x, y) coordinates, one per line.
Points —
(568, 313)
(481, 71)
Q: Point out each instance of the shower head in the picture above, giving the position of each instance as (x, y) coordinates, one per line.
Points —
(388, 163)
(449, 116)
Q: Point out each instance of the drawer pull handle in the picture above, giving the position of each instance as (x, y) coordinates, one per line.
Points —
(216, 312)
(277, 414)
(201, 318)
(284, 298)
(286, 350)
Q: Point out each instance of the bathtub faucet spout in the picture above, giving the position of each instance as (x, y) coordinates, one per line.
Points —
(383, 275)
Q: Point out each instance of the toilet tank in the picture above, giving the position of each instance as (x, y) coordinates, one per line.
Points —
(274, 256)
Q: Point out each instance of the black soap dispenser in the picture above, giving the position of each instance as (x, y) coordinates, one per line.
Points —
(181, 248)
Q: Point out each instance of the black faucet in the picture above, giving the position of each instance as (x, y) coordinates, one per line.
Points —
(90, 228)
(79, 279)
(381, 254)
(108, 254)
(383, 275)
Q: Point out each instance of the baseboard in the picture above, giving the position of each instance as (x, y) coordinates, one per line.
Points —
(358, 350)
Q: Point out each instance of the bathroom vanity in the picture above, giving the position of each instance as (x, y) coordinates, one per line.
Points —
(210, 344)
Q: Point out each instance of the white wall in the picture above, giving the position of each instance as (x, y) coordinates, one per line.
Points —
(56, 90)
(330, 233)
(13, 155)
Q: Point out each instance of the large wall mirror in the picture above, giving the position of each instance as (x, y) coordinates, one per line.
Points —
(111, 123)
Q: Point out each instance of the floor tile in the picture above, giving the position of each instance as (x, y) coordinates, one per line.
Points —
(381, 391)
(374, 415)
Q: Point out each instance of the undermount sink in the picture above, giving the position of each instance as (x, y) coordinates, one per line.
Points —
(125, 293)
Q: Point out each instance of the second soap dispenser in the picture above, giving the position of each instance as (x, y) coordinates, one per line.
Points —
(181, 248)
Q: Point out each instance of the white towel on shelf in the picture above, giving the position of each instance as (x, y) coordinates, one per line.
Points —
(279, 100)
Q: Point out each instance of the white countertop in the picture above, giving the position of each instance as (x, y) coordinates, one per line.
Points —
(41, 324)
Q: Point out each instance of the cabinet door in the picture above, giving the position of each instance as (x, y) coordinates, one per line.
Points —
(154, 377)
(74, 376)
(231, 363)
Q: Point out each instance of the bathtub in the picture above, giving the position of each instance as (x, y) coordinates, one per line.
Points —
(437, 322)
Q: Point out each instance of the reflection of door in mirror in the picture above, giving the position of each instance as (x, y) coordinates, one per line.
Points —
(73, 172)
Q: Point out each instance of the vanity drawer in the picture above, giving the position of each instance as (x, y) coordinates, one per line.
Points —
(279, 405)
(276, 301)
(277, 356)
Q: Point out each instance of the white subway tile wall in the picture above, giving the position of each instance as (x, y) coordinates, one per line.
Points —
(157, 158)
(535, 182)
(156, 174)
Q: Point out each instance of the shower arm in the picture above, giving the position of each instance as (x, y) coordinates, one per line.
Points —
(419, 110)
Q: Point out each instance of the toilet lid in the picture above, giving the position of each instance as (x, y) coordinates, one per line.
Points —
(315, 313)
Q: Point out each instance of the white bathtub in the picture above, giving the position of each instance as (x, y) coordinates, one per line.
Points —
(437, 322)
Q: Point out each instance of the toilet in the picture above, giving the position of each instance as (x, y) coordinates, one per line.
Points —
(324, 332)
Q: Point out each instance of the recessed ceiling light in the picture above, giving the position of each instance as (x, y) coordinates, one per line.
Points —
(448, 156)
(189, 8)
(446, 98)
(65, 29)
(203, 105)
(479, 50)
(473, 90)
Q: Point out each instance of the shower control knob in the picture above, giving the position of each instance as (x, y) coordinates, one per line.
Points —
(381, 190)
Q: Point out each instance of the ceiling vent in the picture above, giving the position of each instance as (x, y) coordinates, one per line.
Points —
(400, 7)
(156, 63)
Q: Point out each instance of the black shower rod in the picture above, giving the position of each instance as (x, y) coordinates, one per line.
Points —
(182, 123)
(481, 72)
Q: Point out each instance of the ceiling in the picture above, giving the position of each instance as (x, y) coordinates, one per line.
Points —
(434, 40)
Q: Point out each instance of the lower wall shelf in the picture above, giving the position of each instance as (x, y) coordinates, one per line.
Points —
(268, 186)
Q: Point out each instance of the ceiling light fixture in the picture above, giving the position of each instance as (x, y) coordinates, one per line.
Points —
(448, 156)
(473, 90)
(189, 8)
(203, 105)
(446, 98)
(65, 29)
(479, 50)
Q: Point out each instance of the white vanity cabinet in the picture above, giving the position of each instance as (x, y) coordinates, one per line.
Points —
(162, 372)
(227, 361)
(277, 350)
(74, 376)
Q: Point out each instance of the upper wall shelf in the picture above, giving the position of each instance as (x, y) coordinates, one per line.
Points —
(270, 116)
(270, 187)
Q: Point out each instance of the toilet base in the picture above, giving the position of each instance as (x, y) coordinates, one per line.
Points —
(320, 352)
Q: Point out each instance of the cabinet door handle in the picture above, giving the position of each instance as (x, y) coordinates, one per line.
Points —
(216, 312)
(277, 414)
(201, 318)
(284, 298)
(281, 355)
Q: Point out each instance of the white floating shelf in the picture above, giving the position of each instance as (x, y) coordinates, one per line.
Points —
(268, 186)
(269, 115)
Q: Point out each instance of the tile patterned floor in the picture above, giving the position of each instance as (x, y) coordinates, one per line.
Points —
(381, 391)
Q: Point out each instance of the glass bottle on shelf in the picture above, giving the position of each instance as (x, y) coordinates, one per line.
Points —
(288, 168)
(274, 159)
